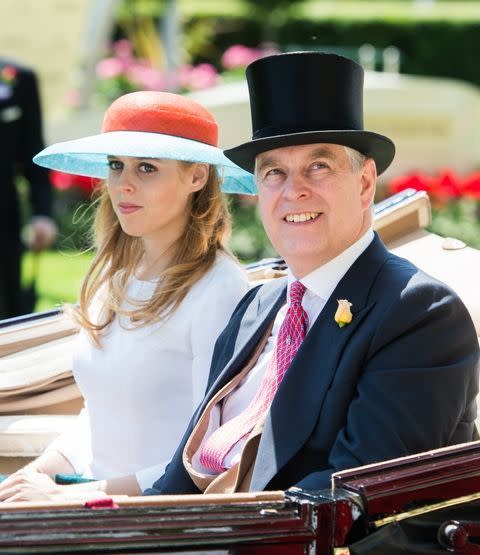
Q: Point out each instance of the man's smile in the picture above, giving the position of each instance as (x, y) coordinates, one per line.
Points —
(301, 217)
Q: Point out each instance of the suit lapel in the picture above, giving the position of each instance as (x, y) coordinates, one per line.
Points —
(255, 321)
(300, 397)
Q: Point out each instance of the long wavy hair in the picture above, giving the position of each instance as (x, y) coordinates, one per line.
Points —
(118, 255)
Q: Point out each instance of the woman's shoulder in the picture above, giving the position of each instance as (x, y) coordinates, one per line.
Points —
(226, 268)
(225, 277)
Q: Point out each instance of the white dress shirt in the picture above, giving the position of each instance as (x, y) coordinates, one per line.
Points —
(319, 284)
(142, 386)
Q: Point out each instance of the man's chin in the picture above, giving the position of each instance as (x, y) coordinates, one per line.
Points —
(300, 255)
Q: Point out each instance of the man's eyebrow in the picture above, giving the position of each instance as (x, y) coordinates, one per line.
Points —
(323, 152)
(266, 162)
(269, 161)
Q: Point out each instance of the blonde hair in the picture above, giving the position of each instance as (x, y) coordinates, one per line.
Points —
(118, 254)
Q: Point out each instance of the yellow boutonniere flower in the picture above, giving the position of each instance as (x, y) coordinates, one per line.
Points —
(343, 316)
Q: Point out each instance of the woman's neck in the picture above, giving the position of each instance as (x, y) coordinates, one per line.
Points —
(156, 258)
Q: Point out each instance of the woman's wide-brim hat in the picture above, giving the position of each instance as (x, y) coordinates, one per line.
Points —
(303, 98)
(149, 124)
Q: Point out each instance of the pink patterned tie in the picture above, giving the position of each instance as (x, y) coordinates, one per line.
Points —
(290, 336)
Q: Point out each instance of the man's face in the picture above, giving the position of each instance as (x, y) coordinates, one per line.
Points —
(313, 204)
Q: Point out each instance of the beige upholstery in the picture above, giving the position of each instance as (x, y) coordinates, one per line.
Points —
(38, 396)
(458, 268)
(28, 435)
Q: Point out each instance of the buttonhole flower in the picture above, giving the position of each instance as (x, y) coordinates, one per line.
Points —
(343, 316)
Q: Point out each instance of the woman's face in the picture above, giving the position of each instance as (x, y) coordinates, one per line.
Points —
(151, 196)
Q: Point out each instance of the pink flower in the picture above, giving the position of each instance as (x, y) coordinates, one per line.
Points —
(109, 68)
(183, 76)
(146, 77)
(239, 56)
(123, 48)
(203, 76)
(73, 98)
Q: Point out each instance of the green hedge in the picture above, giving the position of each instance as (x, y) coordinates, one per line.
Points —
(429, 47)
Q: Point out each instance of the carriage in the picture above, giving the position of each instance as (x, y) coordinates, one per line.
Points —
(426, 503)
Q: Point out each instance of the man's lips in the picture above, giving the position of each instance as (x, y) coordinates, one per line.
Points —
(300, 217)
(127, 207)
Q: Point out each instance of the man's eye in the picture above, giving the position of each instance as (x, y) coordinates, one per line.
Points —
(319, 165)
(115, 165)
(272, 172)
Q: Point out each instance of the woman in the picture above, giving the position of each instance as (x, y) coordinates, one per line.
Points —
(161, 287)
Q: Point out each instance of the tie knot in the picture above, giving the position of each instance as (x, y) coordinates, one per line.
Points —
(297, 291)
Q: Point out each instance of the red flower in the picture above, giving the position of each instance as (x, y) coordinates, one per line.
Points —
(63, 181)
(471, 186)
(447, 185)
(441, 188)
(418, 181)
(8, 74)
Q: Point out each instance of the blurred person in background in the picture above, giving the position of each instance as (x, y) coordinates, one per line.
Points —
(21, 136)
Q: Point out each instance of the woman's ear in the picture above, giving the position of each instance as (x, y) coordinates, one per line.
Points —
(199, 175)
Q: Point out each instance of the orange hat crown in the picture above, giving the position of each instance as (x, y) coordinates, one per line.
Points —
(161, 112)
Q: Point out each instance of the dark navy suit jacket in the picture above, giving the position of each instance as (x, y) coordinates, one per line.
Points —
(401, 378)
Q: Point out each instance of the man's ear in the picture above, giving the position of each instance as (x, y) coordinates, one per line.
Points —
(199, 176)
(368, 181)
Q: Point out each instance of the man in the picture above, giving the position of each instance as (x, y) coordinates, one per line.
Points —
(370, 358)
(21, 132)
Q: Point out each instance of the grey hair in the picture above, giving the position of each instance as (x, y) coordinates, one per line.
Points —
(356, 159)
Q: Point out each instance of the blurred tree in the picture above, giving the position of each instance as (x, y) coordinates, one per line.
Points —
(272, 13)
(138, 19)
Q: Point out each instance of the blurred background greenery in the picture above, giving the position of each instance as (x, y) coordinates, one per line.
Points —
(432, 38)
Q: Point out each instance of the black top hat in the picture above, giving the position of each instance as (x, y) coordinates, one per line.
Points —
(308, 97)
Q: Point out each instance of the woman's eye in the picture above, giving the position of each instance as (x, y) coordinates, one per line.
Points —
(114, 165)
(147, 168)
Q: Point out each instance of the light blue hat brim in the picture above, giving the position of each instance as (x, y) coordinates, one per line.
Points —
(88, 156)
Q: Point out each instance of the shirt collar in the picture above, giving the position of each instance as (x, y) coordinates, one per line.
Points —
(323, 280)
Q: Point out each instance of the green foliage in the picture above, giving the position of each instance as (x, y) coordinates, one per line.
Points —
(140, 8)
(74, 215)
(459, 219)
(438, 46)
(107, 90)
(60, 276)
(249, 241)
(199, 38)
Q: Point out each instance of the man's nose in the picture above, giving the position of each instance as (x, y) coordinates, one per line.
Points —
(296, 186)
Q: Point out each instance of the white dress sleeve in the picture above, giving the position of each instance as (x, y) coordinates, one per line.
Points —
(210, 315)
(74, 444)
(147, 476)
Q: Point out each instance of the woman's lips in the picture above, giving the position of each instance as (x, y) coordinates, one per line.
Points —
(127, 208)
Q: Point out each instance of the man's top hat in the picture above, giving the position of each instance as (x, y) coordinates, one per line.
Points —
(308, 97)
